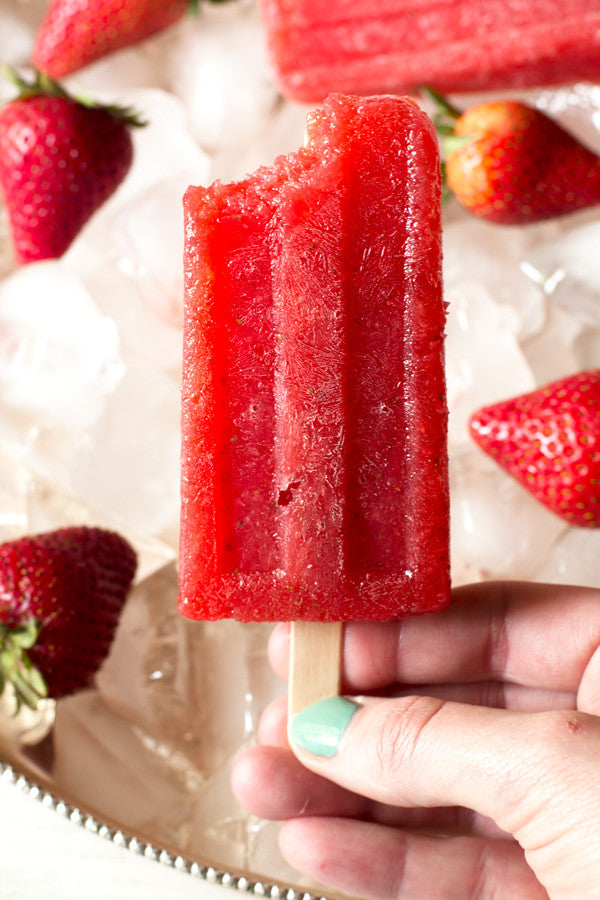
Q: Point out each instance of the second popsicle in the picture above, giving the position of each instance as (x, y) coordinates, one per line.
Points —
(398, 46)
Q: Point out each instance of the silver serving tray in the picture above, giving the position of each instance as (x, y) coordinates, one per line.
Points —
(173, 705)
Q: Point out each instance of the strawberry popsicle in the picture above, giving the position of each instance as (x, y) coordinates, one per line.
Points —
(314, 462)
(398, 46)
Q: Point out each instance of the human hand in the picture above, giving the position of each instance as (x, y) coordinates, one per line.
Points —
(474, 773)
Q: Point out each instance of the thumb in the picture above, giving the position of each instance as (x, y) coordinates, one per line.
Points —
(513, 767)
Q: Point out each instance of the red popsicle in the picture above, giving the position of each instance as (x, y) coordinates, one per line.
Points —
(360, 47)
(314, 463)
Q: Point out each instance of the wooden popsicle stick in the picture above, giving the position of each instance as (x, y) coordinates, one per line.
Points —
(315, 669)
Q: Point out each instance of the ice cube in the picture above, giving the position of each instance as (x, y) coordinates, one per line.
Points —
(127, 466)
(284, 134)
(130, 253)
(119, 73)
(484, 361)
(475, 251)
(497, 526)
(568, 269)
(148, 237)
(576, 107)
(587, 348)
(146, 336)
(15, 481)
(145, 677)
(553, 353)
(574, 559)
(59, 356)
(165, 146)
(219, 71)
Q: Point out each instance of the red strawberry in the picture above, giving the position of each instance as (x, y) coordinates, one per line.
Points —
(510, 163)
(549, 440)
(61, 593)
(74, 33)
(60, 159)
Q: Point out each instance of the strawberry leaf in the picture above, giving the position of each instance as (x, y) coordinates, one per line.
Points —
(42, 83)
(16, 666)
(445, 114)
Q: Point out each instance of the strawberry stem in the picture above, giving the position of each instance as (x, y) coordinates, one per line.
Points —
(446, 192)
(444, 117)
(443, 108)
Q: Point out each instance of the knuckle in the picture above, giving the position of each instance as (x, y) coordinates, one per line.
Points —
(402, 730)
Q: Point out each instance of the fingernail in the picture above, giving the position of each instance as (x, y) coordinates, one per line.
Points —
(320, 727)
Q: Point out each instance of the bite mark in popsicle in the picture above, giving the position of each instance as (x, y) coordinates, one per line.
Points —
(314, 462)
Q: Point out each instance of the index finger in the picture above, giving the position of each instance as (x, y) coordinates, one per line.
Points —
(537, 635)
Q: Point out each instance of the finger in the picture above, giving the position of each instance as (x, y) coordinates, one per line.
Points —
(496, 695)
(279, 649)
(269, 782)
(273, 723)
(386, 864)
(541, 636)
(534, 774)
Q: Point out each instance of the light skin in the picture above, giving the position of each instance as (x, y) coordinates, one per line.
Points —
(470, 767)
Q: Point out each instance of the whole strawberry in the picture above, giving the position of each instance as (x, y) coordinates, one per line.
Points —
(509, 163)
(60, 160)
(61, 594)
(75, 33)
(549, 440)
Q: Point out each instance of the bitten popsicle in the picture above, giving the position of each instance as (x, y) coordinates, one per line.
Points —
(398, 46)
(314, 459)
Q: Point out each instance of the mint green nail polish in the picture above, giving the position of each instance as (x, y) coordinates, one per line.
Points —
(319, 728)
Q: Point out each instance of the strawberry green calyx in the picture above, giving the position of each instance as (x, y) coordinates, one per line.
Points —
(39, 84)
(16, 667)
(194, 5)
(42, 84)
(445, 116)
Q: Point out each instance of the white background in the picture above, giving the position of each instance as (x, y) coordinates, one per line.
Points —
(43, 856)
